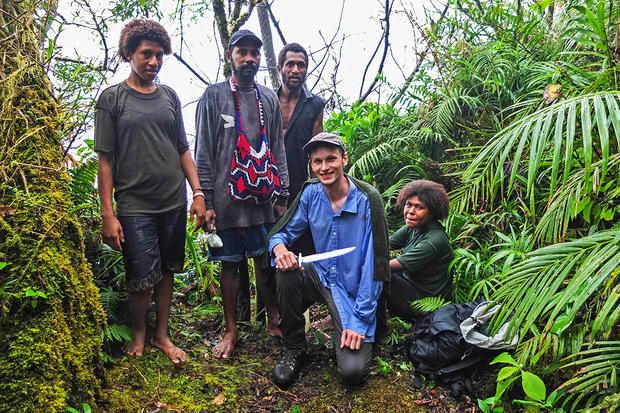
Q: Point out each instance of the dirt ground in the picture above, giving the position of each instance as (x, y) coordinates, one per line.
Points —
(243, 384)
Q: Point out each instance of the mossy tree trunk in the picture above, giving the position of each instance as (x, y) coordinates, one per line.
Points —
(50, 316)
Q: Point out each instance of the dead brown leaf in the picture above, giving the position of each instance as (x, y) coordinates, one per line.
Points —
(219, 400)
(4, 211)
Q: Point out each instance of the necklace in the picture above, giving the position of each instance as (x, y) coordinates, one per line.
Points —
(259, 102)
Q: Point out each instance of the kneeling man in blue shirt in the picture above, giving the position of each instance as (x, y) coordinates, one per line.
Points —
(340, 212)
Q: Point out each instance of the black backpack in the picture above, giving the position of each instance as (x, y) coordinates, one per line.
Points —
(439, 351)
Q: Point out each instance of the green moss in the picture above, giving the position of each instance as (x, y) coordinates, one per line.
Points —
(50, 353)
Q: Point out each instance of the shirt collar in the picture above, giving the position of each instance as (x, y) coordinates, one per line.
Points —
(350, 205)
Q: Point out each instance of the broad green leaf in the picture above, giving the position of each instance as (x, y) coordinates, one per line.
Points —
(505, 358)
(561, 323)
(533, 386)
(506, 372)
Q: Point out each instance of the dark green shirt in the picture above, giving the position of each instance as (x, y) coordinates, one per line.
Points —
(144, 133)
(425, 256)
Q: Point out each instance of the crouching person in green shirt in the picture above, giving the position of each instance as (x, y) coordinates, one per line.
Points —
(421, 269)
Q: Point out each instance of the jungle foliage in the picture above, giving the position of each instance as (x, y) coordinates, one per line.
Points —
(515, 109)
(522, 120)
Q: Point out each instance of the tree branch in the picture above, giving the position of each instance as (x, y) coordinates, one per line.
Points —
(275, 23)
(191, 69)
(386, 45)
(418, 63)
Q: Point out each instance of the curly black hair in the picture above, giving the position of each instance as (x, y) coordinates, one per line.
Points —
(291, 47)
(141, 29)
(434, 195)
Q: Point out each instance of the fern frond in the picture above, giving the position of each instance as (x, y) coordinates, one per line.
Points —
(428, 304)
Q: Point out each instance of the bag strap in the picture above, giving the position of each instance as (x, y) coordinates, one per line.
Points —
(261, 114)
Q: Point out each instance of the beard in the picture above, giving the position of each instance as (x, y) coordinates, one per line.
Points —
(241, 73)
(292, 86)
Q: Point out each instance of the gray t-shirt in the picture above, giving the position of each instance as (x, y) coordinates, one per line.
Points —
(216, 137)
(144, 132)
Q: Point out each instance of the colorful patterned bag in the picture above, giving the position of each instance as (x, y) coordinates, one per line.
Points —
(254, 177)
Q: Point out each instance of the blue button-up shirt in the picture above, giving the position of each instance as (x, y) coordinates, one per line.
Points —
(349, 277)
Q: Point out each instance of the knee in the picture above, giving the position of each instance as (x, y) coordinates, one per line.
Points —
(230, 271)
(286, 280)
(353, 372)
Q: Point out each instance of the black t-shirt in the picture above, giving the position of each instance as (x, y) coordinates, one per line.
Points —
(144, 132)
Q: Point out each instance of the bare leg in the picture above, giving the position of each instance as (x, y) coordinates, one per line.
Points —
(273, 317)
(163, 299)
(138, 305)
(229, 285)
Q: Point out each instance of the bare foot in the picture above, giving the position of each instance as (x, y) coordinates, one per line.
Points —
(324, 324)
(175, 354)
(224, 348)
(135, 347)
(273, 330)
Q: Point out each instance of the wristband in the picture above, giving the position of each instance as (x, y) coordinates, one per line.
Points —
(198, 194)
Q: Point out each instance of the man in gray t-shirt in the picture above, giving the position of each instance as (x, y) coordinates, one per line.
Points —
(242, 226)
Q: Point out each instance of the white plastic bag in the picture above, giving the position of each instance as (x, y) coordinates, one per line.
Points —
(214, 240)
(470, 328)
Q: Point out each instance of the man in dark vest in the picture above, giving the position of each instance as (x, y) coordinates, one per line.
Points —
(302, 113)
(339, 212)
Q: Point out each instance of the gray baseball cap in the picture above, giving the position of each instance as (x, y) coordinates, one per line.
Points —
(240, 34)
(324, 137)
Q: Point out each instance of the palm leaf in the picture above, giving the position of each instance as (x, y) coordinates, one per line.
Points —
(571, 200)
(558, 280)
(596, 374)
(539, 133)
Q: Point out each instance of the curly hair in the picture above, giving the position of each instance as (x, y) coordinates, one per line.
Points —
(434, 195)
(141, 29)
(291, 47)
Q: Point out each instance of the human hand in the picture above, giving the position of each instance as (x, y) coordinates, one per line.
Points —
(285, 259)
(197, 210)
(351, 339)
(112, 232)
(279, 210)
(209, 221)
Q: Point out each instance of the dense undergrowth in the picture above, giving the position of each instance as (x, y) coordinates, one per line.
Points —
(517, 113)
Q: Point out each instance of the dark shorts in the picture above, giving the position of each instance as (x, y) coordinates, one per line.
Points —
(240, 243)
(154, 244)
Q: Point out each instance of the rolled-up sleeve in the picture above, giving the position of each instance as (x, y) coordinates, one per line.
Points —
(204, 149)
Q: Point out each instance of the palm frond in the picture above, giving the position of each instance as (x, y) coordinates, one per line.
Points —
(572, 200)
(528, 146)
(595, 377)
(81, 186)
(554, 283)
